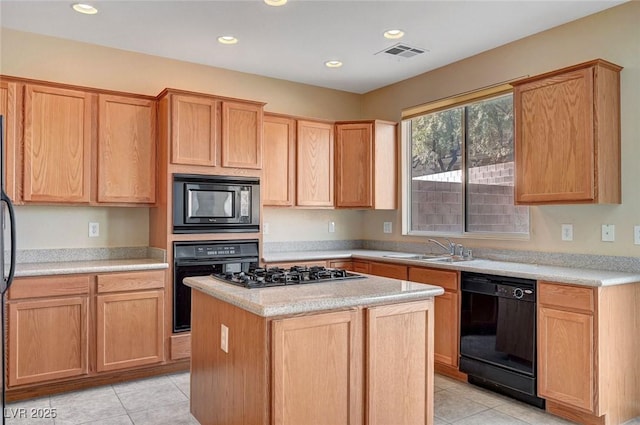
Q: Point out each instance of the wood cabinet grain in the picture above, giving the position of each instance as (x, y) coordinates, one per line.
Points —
(366, 165)
(567, 135)
(11, 109)
(57, 144)
(314, 164)
(126, 149)
(395, 271)
(241, 135)
(278, 178)
(194, 129)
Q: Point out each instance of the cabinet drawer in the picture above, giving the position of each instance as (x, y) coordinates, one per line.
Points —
(341, 264)
(446, 279)
(572, 297)
(361, 266)
(117, 282)
(393, 271)
(49, 286)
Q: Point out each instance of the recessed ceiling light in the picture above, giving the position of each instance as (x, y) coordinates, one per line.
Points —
(276, 2)
(87, 9)
(227, 39)
(393, 34)
(333, 64)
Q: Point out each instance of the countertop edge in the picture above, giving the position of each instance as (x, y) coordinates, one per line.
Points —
(88, 267)
(210, 287)
(566, 275)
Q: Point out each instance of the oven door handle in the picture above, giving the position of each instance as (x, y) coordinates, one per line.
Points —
(210, 262)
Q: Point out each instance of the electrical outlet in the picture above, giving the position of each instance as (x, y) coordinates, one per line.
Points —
(567, 232)
(332, 227)
(608, 233)
(94, 230)
(636, 235)
(224, 338)
(265, 228)
(386, 227)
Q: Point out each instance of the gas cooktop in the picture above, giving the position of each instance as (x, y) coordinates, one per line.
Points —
(276, 276)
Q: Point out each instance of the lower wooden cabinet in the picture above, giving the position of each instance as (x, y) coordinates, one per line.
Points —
(48, 339)
(447, 316)
(53, 328)
(394, 271)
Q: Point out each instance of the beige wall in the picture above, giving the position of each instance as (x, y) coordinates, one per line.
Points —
(45, 58)
(613, 35)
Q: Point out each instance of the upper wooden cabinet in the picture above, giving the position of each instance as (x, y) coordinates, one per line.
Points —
(278, 173)
(314, 164)
(241, 135)
(567, 135)
(10, 108)
(126, 149)
(57, 144)
(366, 165)
(205, 130)
(194, 129)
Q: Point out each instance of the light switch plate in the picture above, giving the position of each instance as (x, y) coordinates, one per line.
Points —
(386, 227)
(608, 233)
(332, 227)
(636, 235)
(567, 232)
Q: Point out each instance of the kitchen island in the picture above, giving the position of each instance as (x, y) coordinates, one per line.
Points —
(338, 352)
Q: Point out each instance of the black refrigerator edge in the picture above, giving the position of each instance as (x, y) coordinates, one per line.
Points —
(5, 203)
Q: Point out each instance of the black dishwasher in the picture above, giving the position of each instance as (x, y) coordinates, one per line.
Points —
(498, 334)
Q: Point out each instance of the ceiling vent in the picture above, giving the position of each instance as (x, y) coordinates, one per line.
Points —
(402, 50)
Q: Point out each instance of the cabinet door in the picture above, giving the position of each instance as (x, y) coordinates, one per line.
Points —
(126, 149)
(130, 329)
(397, 390)
(446, 314)
(566, 357)
(57, 144)
(47, 339)
(354, 174)
(554, 145)
(9, 108)
(241, 135)
(393, 271)
(194, 130)
(278, 173)
(317, 369)
(314, 164)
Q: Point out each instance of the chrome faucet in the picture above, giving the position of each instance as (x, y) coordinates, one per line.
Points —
(451, 249)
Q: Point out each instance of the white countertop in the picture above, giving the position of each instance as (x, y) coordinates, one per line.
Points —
(321, 296)
(569, 275)
(96, 266)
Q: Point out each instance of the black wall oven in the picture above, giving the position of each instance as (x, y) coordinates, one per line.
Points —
(204, 258)
(215, 204)
(498, 334)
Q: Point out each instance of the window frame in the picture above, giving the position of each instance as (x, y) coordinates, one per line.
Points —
(406, 159)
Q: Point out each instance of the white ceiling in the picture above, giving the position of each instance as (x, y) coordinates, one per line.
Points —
(293, 42)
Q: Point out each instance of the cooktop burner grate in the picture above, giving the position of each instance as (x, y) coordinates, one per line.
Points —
(277, 276)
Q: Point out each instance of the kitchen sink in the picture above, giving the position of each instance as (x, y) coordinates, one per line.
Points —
(414, 256)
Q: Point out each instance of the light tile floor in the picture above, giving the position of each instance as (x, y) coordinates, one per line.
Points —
(164, 400)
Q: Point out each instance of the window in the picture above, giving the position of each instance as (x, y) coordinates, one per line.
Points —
(458, 167)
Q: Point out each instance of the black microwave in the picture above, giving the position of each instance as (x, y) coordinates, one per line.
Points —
(215, 204)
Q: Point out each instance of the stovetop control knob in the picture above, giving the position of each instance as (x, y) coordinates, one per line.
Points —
(518, 293)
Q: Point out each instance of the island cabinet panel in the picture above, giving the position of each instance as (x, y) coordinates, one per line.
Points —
(278, 178)
(395, 271)
(194, 129)
(317, 369)
(48, 325)
(126, 149)
(241, 135)
(314, 164)
(10, 109)
(57, 144)
(229, 387)
(447, 316)
(397, 392)
(567, 136)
